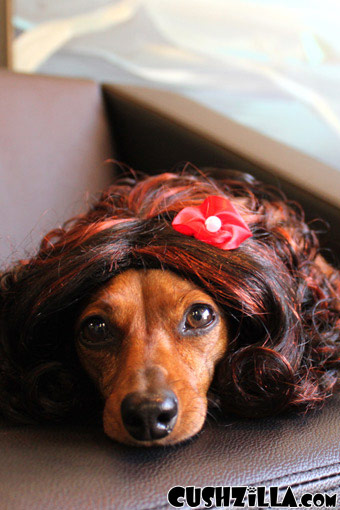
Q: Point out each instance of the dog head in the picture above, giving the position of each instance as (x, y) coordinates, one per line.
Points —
(119, 309)
(150, 341)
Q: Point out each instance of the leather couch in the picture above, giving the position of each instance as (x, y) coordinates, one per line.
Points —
(55, 134)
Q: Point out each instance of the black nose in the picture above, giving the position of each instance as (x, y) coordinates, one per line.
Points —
(149, 416)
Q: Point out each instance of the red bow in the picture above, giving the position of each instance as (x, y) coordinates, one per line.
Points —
(215, 221)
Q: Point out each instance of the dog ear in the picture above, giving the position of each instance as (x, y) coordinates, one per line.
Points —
(11, 389)
(254, 382)
(256, 375)
(40, 377)
(285, 356)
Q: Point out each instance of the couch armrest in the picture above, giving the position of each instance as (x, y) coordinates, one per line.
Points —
(155, 130)
(53, 144)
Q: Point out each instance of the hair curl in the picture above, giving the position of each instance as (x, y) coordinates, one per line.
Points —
(280, 299)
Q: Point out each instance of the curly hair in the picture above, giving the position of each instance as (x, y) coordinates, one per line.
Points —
(280, 298)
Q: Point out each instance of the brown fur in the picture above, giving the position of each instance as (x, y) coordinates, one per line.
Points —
(146, 308)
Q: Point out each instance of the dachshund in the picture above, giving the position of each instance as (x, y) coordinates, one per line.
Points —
(142, 312)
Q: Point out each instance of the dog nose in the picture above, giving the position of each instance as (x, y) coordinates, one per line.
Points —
(149, 416)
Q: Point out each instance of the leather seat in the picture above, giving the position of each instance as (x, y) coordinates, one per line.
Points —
(54, 136)
(45, 468)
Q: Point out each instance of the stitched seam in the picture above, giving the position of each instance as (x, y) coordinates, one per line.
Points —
(312, 480)
(302, 473)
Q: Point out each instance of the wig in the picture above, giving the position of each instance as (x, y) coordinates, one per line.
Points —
(280, 299)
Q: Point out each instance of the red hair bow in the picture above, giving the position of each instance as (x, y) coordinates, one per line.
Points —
(215, 221)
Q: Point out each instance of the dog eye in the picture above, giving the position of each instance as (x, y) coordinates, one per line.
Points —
(199, 316)
(94, 332)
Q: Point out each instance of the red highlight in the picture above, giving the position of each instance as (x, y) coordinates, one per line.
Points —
(281, 300)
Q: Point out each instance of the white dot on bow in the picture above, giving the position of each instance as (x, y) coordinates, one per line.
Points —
(213, 224)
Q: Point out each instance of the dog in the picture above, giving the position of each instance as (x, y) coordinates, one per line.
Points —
(172, 294)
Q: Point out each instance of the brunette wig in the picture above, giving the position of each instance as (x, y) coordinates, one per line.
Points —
(279, 297)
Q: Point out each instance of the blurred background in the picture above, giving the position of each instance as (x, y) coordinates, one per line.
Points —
(272, 65)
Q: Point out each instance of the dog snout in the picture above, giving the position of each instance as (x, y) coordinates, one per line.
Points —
(147, 416)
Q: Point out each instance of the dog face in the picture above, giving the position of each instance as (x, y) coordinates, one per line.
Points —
(150, 340)
(154, 342)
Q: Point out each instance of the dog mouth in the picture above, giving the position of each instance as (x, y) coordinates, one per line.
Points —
(152, 419)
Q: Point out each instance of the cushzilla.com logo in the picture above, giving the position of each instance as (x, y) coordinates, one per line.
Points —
(246, 497)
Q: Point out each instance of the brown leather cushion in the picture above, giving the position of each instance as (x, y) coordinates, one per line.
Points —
(79, 468)
(53, 144)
